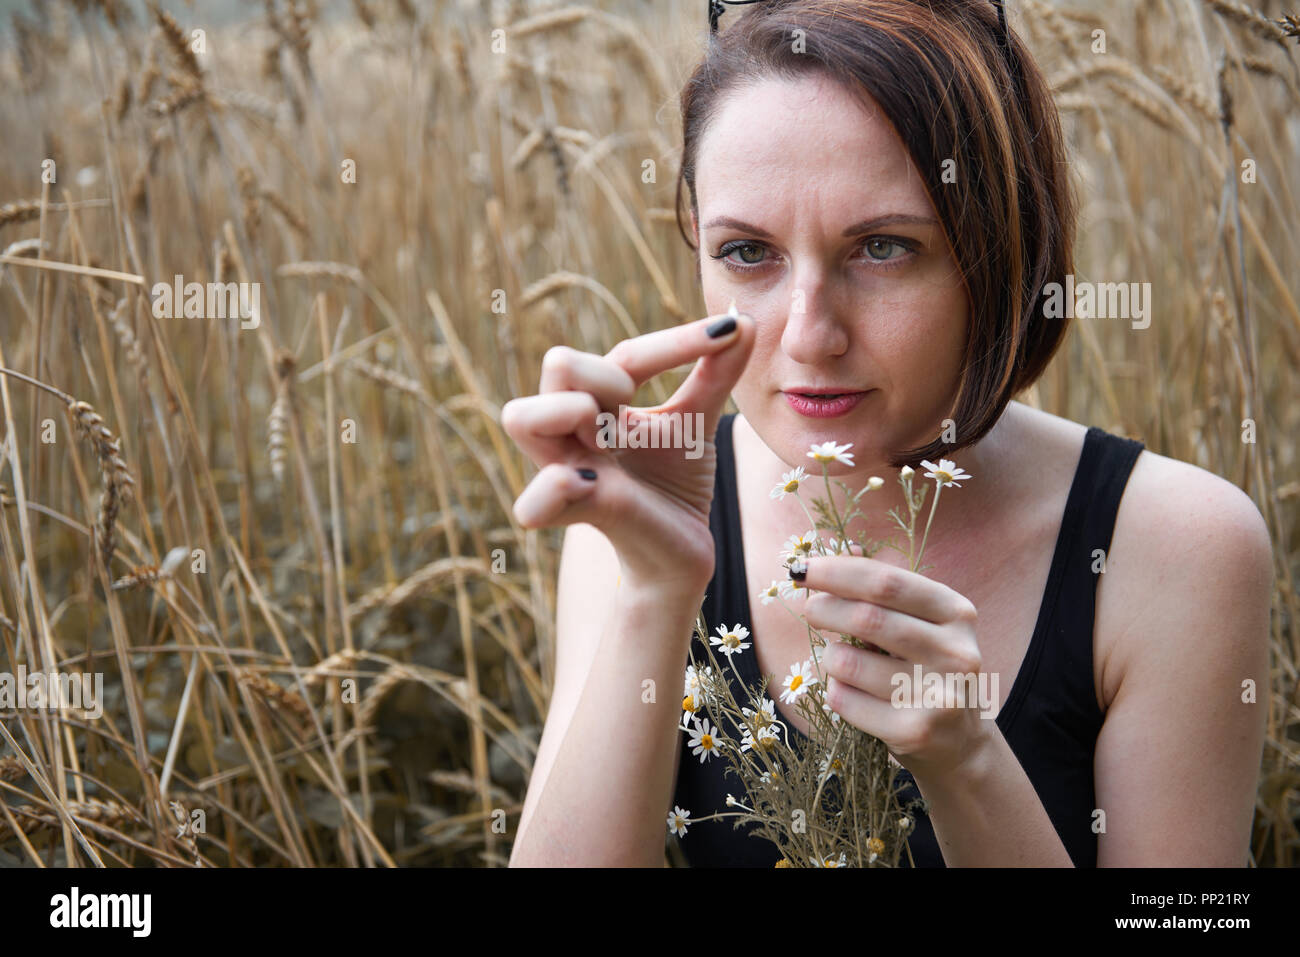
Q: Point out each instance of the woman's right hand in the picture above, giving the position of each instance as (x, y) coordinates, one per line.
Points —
(652, 504)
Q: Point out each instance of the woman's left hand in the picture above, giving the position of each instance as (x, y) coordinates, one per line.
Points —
(917, 621)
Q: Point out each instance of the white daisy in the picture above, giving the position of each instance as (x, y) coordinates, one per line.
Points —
(698, 681)
(830, 452)
(764, 716)
(829, 768)
(836, 546)
(731, 641)
(789, 483)
(840, 861)
(767, 738)
(799, 546)
(691, 703)
(704, 740)
(793, 589)
(946, 472)
(677, 821)
(770, 593)
(799, 680)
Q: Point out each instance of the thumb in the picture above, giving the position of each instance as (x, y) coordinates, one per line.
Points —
(714, 376)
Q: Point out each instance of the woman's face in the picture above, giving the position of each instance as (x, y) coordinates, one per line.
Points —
(840, 258)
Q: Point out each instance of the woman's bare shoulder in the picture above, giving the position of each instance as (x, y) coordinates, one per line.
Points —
(1184, 538)
(1189, 550)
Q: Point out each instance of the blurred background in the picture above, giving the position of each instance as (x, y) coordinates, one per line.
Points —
(323, 639)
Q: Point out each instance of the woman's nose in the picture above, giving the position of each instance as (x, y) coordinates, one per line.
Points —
(813, 331)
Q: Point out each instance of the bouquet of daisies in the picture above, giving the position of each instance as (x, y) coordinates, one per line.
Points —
(831, 799)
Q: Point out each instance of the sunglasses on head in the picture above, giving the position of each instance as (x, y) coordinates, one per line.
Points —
(716, 8)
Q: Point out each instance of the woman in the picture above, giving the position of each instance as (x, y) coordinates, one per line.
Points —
(881, 188)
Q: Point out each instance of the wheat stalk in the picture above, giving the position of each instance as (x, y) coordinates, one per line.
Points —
(117, 477)
(31, 818)
(1251, 19)
(179, 43)
(391, 596)
(288, 703)
(378, 691)
(20, 211)
(127, 338)
(324, 670)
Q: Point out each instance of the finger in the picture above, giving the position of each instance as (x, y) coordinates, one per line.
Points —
(714, 376)
(645, 357)
(895, 632)
(871, 580)
(564, 368)
(557, 495)
(867, 712)
(553, 427)
(867, 671)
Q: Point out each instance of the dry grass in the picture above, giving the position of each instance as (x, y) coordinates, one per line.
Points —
(340, 671)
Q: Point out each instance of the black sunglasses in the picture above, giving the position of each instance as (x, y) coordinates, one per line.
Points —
(716, 9)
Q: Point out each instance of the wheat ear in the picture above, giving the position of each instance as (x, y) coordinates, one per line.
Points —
(117, 478)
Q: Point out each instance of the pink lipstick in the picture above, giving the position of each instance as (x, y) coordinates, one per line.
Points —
(823, 403)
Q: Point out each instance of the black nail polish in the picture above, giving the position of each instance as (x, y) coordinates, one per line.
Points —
(798, 569)
(588, 474)
(721, 327)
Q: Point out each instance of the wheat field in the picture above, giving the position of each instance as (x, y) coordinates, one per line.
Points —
(285, 540)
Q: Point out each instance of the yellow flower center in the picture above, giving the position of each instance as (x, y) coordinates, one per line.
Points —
(782, 863)
(791, 486)
(795, 682)
(706, 742)
(688, 703)
(942, 476)
(731, 640)
(876, 845)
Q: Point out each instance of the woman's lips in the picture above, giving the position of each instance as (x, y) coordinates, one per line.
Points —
(824, 406)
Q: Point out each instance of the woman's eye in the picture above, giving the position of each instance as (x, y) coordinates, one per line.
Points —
(753, 255)
(754, 249)
(872, 246)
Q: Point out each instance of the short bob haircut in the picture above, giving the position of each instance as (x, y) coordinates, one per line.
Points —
(941, 73)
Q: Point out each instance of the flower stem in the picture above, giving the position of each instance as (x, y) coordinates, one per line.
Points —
(933, 505)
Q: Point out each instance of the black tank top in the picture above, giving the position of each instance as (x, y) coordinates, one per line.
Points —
(1050, 718)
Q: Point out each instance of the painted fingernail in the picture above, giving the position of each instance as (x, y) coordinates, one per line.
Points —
(588, 474)
(722, 327)
(798, 569)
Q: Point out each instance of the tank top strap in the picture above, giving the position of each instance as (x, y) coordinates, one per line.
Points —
(1061, 649)
(729, 554)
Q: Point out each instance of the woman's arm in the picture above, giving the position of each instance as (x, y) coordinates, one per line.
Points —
(1177, 761)
(1178, 758)
(602, 783)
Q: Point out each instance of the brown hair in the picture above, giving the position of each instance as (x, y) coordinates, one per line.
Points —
(952, 90)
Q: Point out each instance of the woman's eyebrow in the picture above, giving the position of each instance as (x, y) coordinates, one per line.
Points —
(876, 222)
